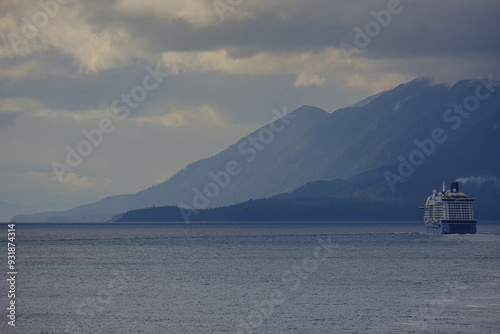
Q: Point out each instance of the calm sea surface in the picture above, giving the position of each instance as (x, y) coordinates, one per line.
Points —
(252, 278)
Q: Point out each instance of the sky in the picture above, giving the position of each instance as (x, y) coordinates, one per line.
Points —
(107, 97)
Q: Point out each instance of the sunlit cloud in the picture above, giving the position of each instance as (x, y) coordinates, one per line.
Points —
(310, 68)
(69, 31)
(32, 108)
(201, 13)
(260, 64)
(92, 49)
(30, 69)
(181, 117)
(305, 79)
(19, 105)
(72, 181)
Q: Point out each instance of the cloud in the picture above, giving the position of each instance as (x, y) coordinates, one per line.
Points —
(106, 35)
(305, 79)
(19, 105)
(181, 117)
(72, 181)
(202, 13)
(28, 69)
(70, 31)
(259, 64)
(310, 68)
(93, 49)
(198, 13)
(33, 108)
(374, 81)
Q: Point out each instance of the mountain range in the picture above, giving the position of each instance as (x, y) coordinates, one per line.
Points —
(386, 153)
(7, 210)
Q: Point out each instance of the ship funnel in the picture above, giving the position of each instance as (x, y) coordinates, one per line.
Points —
(454, 187)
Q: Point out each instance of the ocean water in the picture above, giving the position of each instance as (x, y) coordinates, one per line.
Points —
(253, 278)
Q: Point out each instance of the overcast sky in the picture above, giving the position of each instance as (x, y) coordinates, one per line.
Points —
(168, 82)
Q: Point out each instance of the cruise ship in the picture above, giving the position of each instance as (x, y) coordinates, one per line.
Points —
(449, 212)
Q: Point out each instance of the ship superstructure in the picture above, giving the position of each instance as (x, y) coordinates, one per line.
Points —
(449, 212)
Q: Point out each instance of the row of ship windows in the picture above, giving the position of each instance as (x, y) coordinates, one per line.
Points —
(450, 212)
(459, 212)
